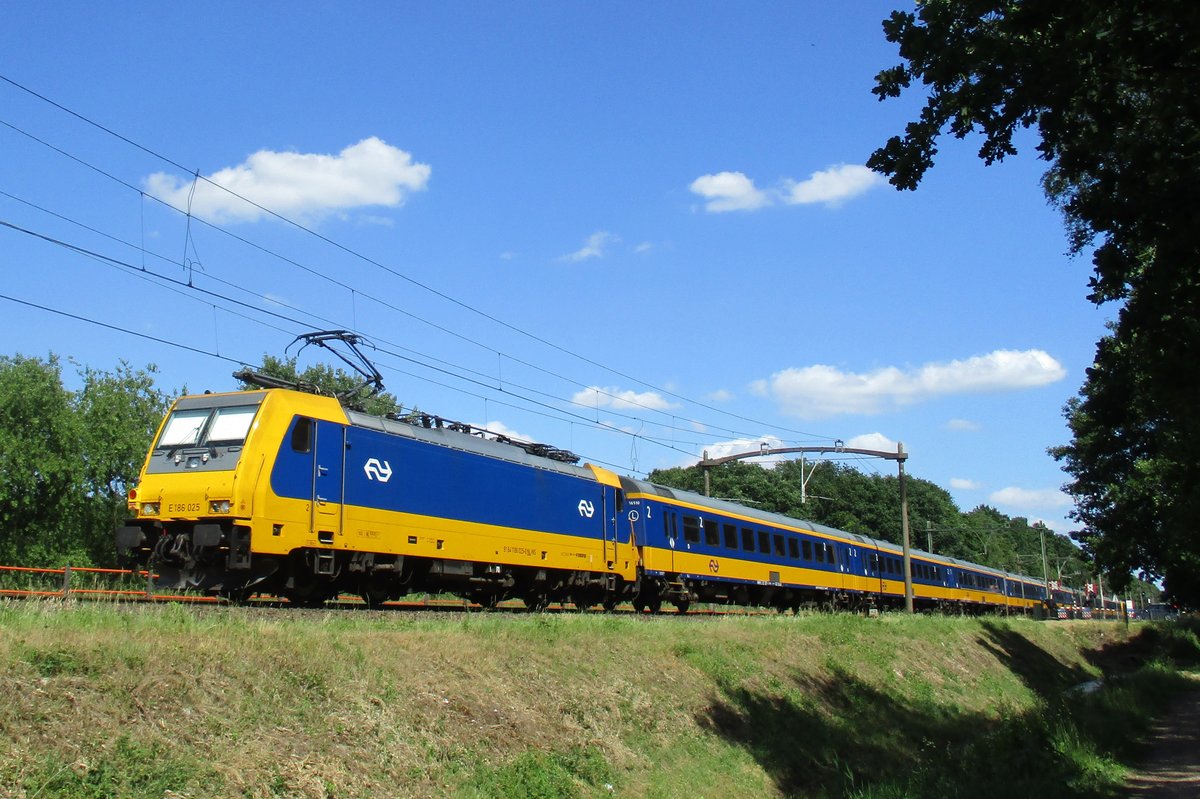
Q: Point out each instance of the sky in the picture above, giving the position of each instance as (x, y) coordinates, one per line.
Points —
(636, 231)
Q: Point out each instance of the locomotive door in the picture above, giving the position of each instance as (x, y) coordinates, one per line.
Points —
(329, 453)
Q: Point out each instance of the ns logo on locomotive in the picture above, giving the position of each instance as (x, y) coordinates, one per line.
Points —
(290, 493)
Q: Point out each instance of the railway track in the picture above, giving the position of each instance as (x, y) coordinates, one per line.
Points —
(137, 586)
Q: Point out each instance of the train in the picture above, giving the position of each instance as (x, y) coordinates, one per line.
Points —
(290, 493)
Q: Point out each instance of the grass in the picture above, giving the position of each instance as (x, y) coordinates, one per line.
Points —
(155, 701)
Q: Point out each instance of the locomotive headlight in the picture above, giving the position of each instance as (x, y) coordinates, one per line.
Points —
(218, 506)
(149, 508)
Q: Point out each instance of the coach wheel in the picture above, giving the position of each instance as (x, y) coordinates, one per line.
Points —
(582, 602)
(682, 605)
(655, 605)
(639, 606)
(609, 603)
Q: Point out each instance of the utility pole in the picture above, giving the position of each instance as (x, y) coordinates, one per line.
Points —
(1045, 565)
(929, 535)
(908, 584)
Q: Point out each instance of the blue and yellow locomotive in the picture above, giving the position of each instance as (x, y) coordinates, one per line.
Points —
(284, 492)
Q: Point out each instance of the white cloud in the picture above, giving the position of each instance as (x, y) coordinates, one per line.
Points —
(962, 426)
(1030, 498)
(963, 484)
(876, 441)
(819, 391)
(615, 398)
(371, 172)
(831, 186)
(495, 429)
(645, 246)
(729, 191)
(720, 395)
(733, 191)
(594, 247)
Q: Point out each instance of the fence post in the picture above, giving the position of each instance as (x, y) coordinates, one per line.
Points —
(66, 585)
(149, 583)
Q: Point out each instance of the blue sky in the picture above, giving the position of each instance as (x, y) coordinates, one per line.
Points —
(635, 231)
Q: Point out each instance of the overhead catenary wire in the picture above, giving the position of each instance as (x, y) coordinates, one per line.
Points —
(182, 288)
(598, 392)
(191, 285)
(396, 273)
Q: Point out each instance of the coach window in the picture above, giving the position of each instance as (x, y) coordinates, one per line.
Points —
(832, 554)
(779, 550)
(793, 549)
(747, 539)
(807, 547)
(820, 552)
(731, 538)
(712, 533)
(764, 542)
(302, 435)
(691, 529)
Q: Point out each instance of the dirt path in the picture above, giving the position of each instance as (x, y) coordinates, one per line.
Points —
(1171, 769)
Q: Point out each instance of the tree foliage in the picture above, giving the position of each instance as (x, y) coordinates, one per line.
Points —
(332, 382)
(67, 458)
(1110, 89)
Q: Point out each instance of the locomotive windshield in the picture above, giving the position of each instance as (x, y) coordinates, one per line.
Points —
(204, 433)
(207, 427)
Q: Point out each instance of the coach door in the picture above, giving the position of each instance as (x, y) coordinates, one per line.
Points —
(329, 453)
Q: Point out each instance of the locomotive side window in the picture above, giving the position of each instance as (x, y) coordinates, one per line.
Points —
(302, 435)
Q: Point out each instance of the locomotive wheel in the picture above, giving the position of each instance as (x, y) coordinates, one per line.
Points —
(609, 603)
(373, 596)
(237, 596)
(310, 596)
(536, 602)
(655, 605)
(486, 600)
(639, 606)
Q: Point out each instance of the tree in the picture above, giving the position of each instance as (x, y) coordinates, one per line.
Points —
(39, 464)
(1109, 87)
(331, 382)
(67, 457)
(118, 414)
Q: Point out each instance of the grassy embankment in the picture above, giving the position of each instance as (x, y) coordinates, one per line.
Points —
(102, 700)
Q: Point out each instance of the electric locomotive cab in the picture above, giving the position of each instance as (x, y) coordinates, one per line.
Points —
(185, 508)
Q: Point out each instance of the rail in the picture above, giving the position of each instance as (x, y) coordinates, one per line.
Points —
(133, 585)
